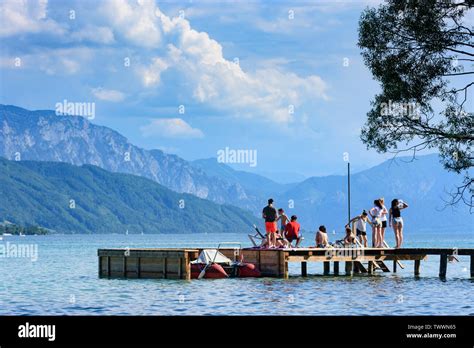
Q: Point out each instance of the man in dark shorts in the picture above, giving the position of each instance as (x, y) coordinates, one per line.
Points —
(361, 227)
(270, 215)
(292, 231)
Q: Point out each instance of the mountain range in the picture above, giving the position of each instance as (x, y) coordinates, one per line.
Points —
(88, 199)
(423, 183)
(44, 136)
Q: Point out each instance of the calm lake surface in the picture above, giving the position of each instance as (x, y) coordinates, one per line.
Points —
(63, 281)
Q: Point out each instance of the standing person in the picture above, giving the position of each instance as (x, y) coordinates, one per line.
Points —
(395, 220)
(375, 214)
(292, 231)
(361, 227)
(322, 240)
(383, 218)
(283, 220)
(270, 215)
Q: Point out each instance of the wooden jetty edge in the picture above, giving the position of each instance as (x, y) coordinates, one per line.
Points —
(175, 263)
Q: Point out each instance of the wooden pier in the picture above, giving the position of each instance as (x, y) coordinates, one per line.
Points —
(175, 263)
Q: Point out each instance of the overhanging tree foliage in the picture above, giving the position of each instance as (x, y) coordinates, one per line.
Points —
(422, 53)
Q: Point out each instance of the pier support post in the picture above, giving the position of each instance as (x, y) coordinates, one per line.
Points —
(472, 266)
(370, 267)
(395, 266)
(100, 266)
(349, 267)
(108, 266)
(304, 269)
(327, 267)
(139, 267)
(417, 267)
(124, 267)
(336, 267)
(443, 265)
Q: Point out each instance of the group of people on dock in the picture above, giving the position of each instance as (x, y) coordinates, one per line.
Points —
(288, 232)
(378, 217)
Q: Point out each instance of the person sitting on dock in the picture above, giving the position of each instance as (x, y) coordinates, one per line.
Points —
(292, 231)
(361, 227)
(270, 215)
(322, 240)
(349, 239)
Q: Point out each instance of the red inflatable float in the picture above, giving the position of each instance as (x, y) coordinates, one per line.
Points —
(248, 270)
(214, 271)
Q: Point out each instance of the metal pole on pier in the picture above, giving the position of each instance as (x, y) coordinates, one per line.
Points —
(348, 191)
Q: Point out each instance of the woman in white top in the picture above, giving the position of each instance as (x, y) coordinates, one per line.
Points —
(383, 218)
(361, 227)
(376, 215)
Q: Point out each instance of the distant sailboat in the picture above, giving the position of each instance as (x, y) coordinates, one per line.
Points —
(126, 232)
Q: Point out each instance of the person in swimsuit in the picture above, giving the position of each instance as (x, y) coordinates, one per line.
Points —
(322, 240)
(383, 218)
(270, 215)
(283, 220)
(395, 220)
(349, 239)
(376, 214)
(361, 227)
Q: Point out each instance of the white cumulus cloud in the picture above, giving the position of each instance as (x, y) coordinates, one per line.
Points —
(160, 43)
(25, 16)
(108, 94)
(171, 128)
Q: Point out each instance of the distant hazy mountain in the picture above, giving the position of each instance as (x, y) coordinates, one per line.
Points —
(44, 136)
(88, 199)
(258, 185)
(283, 177)
(423, 184)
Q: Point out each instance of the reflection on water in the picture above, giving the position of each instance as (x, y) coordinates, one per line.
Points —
(63, 281)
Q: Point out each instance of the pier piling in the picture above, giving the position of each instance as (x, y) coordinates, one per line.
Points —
(370, 267)
(304, 269)
(349, 267)
(336, 267)
(417, 267)
(443, 265)
(327, 267)
(472, 266)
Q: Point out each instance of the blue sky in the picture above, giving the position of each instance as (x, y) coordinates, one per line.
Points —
(238, 68)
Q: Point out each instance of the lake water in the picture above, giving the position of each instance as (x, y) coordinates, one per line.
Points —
(64, 281)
